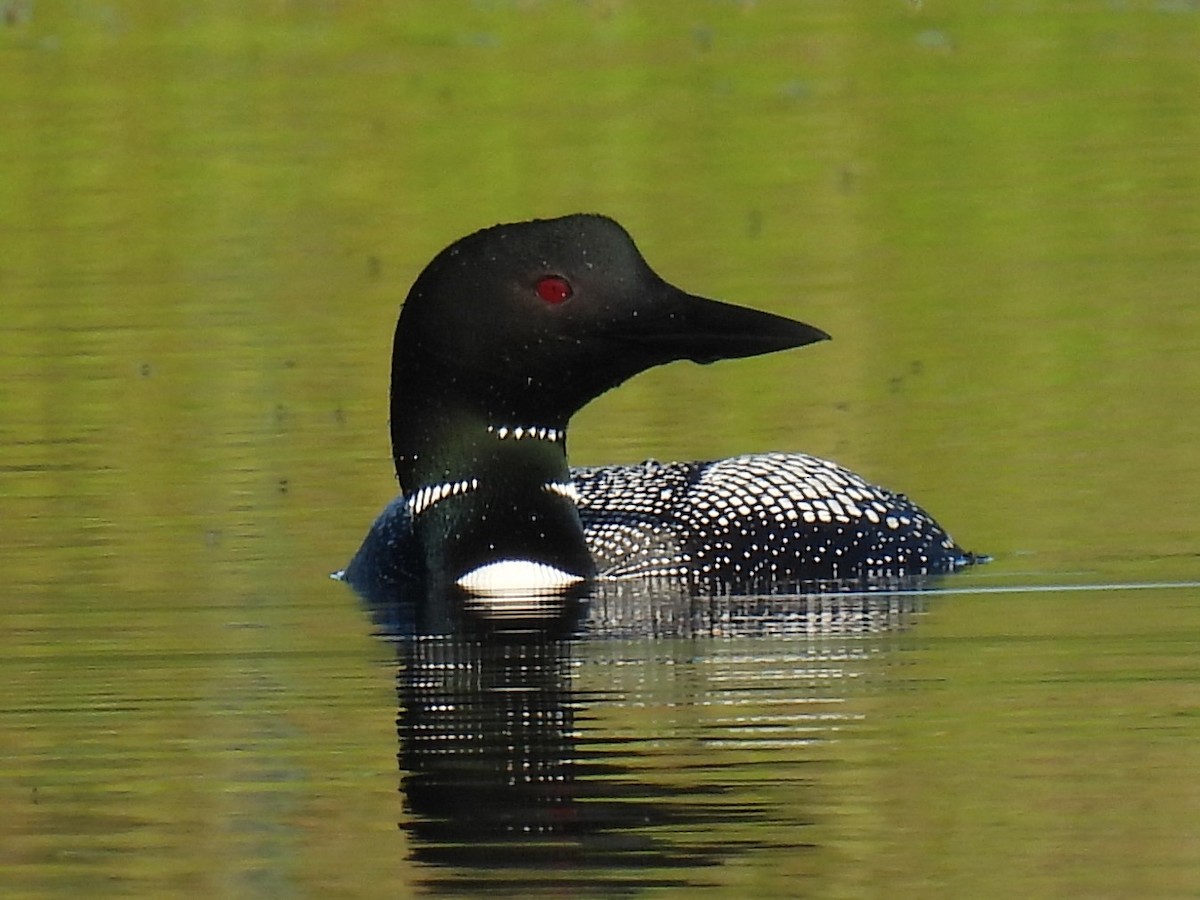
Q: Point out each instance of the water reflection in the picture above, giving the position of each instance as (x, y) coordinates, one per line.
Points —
(648, 609)
(509, 781)
(498, 783)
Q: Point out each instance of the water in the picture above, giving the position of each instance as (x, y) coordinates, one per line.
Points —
(208, 219)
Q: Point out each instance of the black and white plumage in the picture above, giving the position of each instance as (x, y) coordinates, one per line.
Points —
(745, 521)
(755, 518)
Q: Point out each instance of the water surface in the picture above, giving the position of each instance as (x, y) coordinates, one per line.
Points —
(208, 219)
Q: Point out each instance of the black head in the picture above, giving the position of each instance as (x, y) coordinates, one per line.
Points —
(530, 321)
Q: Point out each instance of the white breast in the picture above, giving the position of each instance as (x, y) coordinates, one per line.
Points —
(517, 576)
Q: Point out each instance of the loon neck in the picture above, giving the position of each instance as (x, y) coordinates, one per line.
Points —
(437, 438)
(486, 489)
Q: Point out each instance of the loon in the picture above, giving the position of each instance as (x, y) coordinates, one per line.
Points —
(510, 331)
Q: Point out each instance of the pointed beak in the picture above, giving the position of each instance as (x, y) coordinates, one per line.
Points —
(703, 330)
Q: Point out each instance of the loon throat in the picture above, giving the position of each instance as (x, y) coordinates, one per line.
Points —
(504, 336)
(492, 508)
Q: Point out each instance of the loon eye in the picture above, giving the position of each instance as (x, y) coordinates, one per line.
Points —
(554, 289)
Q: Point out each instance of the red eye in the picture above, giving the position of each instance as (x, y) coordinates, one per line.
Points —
(554, 289)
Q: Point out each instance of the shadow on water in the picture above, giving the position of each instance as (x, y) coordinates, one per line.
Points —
(506, 781)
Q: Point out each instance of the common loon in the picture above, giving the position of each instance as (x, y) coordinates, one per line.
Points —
(510, 331)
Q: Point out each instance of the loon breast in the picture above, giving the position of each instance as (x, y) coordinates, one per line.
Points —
(753, 518)
(516, 576)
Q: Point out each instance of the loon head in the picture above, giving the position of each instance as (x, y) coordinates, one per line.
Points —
(528, 322)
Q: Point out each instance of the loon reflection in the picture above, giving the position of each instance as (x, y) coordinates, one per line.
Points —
(508, 782)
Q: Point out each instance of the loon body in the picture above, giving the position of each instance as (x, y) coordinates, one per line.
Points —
(510, 331)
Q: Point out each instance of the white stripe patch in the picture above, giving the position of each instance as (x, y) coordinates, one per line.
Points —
(517, 576)
(522, 431)
(425, 497)
(563, 489)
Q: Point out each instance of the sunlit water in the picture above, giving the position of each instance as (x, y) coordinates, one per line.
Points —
(207, 222)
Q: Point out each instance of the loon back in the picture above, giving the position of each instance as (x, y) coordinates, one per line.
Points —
(756, 519)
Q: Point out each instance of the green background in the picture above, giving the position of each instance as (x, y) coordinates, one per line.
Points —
(210, 214)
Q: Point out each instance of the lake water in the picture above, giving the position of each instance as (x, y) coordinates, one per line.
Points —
(208, 219)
